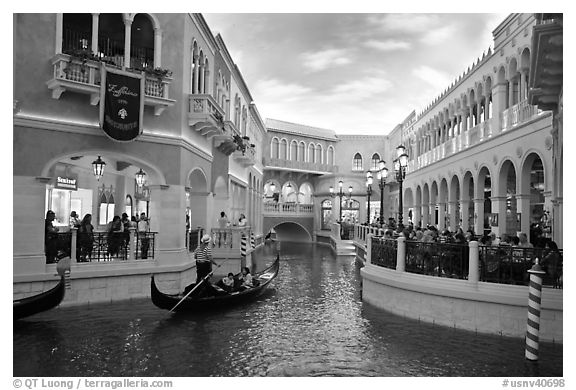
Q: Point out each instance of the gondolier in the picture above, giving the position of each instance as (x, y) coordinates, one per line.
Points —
(203, 256)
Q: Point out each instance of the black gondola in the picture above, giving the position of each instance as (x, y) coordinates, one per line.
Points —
(47, 300)
(197, 303)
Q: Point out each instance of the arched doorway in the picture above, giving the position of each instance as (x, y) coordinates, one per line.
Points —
(326, 218)
(507, 189)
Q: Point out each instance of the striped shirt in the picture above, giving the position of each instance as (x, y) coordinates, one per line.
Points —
(203, 253)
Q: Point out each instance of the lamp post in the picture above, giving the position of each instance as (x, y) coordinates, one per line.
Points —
(400, 165)
(140, 178)
(340, 194)
(368, 193)
(382, 175)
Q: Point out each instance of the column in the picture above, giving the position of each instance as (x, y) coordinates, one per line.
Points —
(523, 208)
(425, 215)
(453, 214)
(127, 42)
(478, 216)
(208, 85)
(441, 216)
(157, 47)
(201, 82)
(473, 262)
(196, 76)
(168, 219)
(498, 108)
(417, 215)
(510, 93)
(465, 204)
(499, 207)
(59, 32)
(95, 21)
(29, 198)
(401, 254)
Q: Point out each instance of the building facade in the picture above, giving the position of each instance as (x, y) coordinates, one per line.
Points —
(196, 151)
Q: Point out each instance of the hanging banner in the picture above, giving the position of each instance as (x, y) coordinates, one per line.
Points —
(121, 103)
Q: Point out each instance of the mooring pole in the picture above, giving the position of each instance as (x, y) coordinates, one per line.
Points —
(534, 302)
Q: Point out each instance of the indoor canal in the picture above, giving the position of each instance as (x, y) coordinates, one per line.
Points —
(310, 322)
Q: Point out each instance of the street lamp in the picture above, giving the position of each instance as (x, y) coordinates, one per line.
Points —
(368, 193)
(98, 167)
(140, 178)
(382, 175)
(400, 165)
(340, 193)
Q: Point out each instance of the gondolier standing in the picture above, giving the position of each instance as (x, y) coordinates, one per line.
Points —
(203, 256)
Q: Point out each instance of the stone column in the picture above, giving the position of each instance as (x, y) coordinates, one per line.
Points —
(498, 107)
(417, 214)
(401, 254)
(127, 42)
(168, 219)
(94, 45)
(510, 93)
(479, 216)
(157, 47)
(441, 216)
(523, 207)
(201, 81)
(499, 206)
(465, 205)
(454, 215)
(425, 215)
(29, 197)
(473, 262)
(195, 75)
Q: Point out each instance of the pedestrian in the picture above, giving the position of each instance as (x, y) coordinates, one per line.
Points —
(50, 237)
(86, 238)
(143, 229)
(223, 223)
(74, 220)
(115, 231)
(242, 220)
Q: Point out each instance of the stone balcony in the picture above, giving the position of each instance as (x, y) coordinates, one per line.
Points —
(246, 158)
(74, 75)
(289, 208)
(205, 115)
(289, 165)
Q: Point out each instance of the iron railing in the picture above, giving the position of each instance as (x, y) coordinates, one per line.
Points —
(430, 258)
(384, 252)
(100, 246)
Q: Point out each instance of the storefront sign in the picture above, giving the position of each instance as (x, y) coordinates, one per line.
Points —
(121, 104)
(66, 183)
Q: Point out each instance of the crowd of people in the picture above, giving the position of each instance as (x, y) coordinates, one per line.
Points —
(117, 236)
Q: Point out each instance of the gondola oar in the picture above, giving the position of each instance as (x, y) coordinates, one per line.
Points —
(195, 287)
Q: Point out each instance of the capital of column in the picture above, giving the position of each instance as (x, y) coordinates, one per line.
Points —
(498, 198)
(522, 196)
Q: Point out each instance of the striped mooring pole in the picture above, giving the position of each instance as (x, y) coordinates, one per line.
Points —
(534, 300)
(243, 246)
(252, 240)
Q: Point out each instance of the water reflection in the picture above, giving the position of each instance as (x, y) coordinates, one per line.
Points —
(311, 322)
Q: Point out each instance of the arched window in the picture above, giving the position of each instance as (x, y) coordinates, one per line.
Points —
(274, 152)
(305, 194)
(293, 151)
(128, 206)
(301, 151)
(106, 207)
(319, 156)
(330, 159)
(357, 163)
(375, 160)
(283, 149)
(142, 43)
(326, 216)
(311, 154)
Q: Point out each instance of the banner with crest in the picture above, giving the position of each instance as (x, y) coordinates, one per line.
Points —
(121, 103)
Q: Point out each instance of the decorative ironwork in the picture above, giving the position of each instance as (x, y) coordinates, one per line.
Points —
(430, 258)
(384, 252)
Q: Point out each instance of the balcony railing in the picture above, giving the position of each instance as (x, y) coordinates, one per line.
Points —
(246, 158)
(100, 246)
(76, 75)
(291, 208)
(301, 165)
(427, 258)
(205, 115)
(518, 114)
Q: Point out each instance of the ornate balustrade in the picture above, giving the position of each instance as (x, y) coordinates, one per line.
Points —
(301, 165)
(227, 241)
(517, 114)
(84, 76)
(384, 252)
(294, 209)
(430, 258)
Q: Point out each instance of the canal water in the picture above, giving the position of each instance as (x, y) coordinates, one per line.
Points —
(311, 322)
